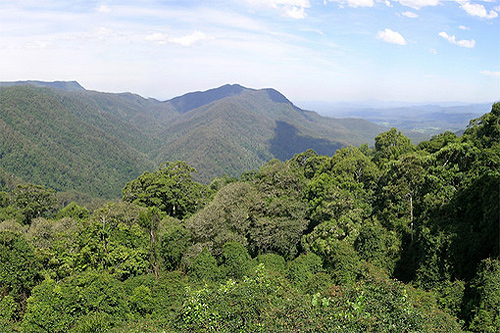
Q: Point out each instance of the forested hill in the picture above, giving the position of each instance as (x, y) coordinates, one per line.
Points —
(64, 85)
(395, 238)
(60, 135)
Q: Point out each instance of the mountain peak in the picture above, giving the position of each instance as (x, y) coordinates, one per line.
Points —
(276, 96)
(63, 85)
(196, 99)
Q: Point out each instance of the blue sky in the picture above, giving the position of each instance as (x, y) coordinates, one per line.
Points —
(325, 50)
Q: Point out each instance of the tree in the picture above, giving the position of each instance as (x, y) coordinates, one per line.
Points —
(170, 189)
(74, 211)
(35, 201)
(87, 302)
(174, 240)
(303, 268)
(333, 241)
(204, 267)
(484, 307)
(19, 268)
(378, 246)
(115, 240)
(401, 188)
(390, 145)
(235, 260)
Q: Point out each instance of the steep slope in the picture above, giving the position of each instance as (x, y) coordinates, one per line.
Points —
(242, 130)
(94, 142)
(196, 99)
(43, 142)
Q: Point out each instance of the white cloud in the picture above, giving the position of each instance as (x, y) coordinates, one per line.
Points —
(463, 27)
(187, 40)
(38, 45)
(355, 3)
(417, 4)
(157, 38)
(462, 43)
(410, 14)
(190, 39)
(102, 33)
(289, 8)
(103, 9)
(477, 10)
(295, 12)
(490, 73)
(388, 3)
(392, 37)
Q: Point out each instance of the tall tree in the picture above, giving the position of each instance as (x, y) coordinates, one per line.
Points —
(170, 188)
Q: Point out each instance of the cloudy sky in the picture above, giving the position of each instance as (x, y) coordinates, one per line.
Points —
(323, 50)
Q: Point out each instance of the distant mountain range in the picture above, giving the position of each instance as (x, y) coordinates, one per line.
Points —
(419, 122)
(60, 135)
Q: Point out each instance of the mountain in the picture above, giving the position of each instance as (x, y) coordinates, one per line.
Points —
(419, 122)
(67, 138)
(194, 100)
(64, 85)
(45, 140)
(235, 128)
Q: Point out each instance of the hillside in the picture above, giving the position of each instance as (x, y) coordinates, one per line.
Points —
(43, 141)
(236, 128)
(397, 238)
(63, 85)
(60, 135)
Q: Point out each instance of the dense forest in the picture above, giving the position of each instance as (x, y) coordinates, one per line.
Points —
(76, 140)
(396, 238)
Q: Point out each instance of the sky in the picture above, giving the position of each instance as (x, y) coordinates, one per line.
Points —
(326, 50)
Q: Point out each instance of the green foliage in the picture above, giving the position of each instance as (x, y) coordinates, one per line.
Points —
(204, 267)
(74, 211)
(235, 261)
(281, 213)
(227, 218)
(114, 240)
(170, 189)
(333, 241)
(9, 310)
(35, 201)
(485, 304)
(67, 142)
(303, 268)
(55, 245)
(378, 246)
(272, 262)
(90, 301)
(315, 243)
(451, 296)
(390, 145)
(174, 240)
(18, 266)
(232, 306)
(141, 300)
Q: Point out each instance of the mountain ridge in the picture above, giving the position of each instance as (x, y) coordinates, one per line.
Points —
(222, 131)
(63, 85)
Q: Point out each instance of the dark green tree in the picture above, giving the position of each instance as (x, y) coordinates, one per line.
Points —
(35, 201)
(484, 307)
(390, 145)
(235, 260)
(170, 188)
(19, 268)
